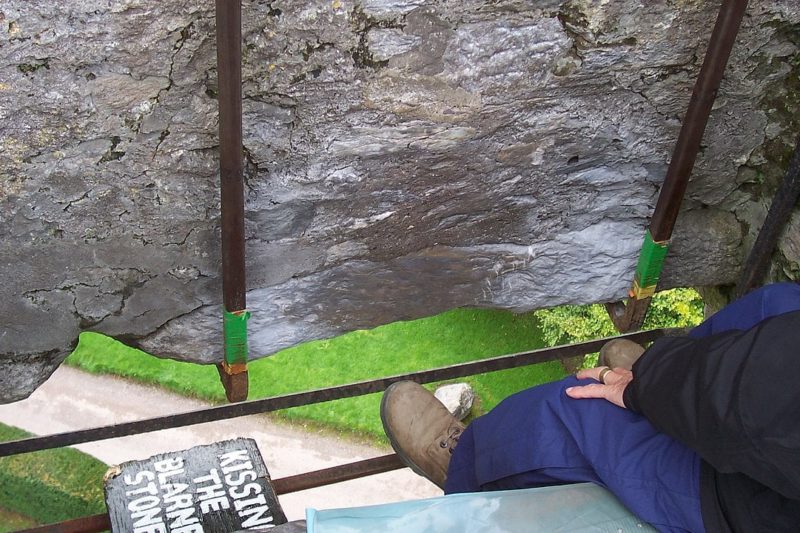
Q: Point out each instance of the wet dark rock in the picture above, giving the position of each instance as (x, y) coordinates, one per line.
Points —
(402, 158)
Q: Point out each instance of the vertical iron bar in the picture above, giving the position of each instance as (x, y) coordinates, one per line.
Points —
(631, 316)
(233, 368)
(229, 71)
(694, 124)
(755, 268)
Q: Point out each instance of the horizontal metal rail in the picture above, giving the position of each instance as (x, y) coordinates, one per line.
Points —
(275, 403)
(337, 474)
(85, 524)
(307, 480)
(286, 485)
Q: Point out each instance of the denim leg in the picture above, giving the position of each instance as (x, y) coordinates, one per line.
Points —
(749, 310)
(540, 437)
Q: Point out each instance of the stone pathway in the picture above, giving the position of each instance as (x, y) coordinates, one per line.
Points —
(72, 399)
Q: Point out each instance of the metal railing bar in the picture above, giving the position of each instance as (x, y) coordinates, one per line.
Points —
(337, 474)
(275, 403)
(780, 210)
(285, 485)
(84, 524)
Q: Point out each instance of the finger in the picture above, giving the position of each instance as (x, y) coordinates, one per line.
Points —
(593, 373)
(609, 393)
(617, 375)
(589, 391)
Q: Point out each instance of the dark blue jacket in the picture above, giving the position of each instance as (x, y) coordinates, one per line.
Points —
(733, 398)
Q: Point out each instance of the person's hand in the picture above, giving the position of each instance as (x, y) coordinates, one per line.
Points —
(612, 384)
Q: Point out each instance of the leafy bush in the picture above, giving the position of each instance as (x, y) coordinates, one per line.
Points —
(676, 308)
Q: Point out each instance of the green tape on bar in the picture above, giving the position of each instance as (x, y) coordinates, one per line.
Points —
(648, 270)
(234, 330)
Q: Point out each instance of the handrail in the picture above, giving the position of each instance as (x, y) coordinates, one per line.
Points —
(318, 478)
(251, 407)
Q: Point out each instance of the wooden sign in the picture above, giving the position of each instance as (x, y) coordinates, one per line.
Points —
(219, 487)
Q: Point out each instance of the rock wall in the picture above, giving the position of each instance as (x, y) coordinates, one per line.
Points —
(402, 158)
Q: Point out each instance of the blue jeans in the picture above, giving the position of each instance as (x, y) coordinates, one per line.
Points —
(541, 437)
(749, 310)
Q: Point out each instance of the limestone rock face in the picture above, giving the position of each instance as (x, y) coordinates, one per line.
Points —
(402, 158)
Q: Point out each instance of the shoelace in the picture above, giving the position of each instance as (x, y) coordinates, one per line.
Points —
(453, 435)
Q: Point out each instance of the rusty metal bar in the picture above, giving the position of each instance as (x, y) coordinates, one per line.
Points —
(685, 153)
(86, 524)
(233, 368)
(694, 123)
(229, 72)
(252, 407)
(317, 478)
(285, 485)
(337, 474)
(783, 203)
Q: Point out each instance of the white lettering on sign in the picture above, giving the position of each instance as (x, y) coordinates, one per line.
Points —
(234, 480)
(226, 459)
(175, 497)
(254, 509)
(168, 468)
(212, 492)
(155, 528)
(180, 509)
(137, 479)
(145, 509)
(182, 518)
(238, 469)
(168, 499)
(150, 489)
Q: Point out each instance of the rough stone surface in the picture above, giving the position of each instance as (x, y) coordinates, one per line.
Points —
(402, 158)
(457, 397)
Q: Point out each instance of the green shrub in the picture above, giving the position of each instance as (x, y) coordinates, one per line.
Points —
(676, 308)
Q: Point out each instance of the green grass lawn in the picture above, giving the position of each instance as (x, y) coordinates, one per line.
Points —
(56, 485)
(47, 486)
(452, 337)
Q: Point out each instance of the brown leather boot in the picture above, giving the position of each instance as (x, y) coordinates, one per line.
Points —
(619, 353)
(421, 430)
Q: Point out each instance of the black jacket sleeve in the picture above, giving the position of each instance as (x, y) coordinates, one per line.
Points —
(732, 397)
